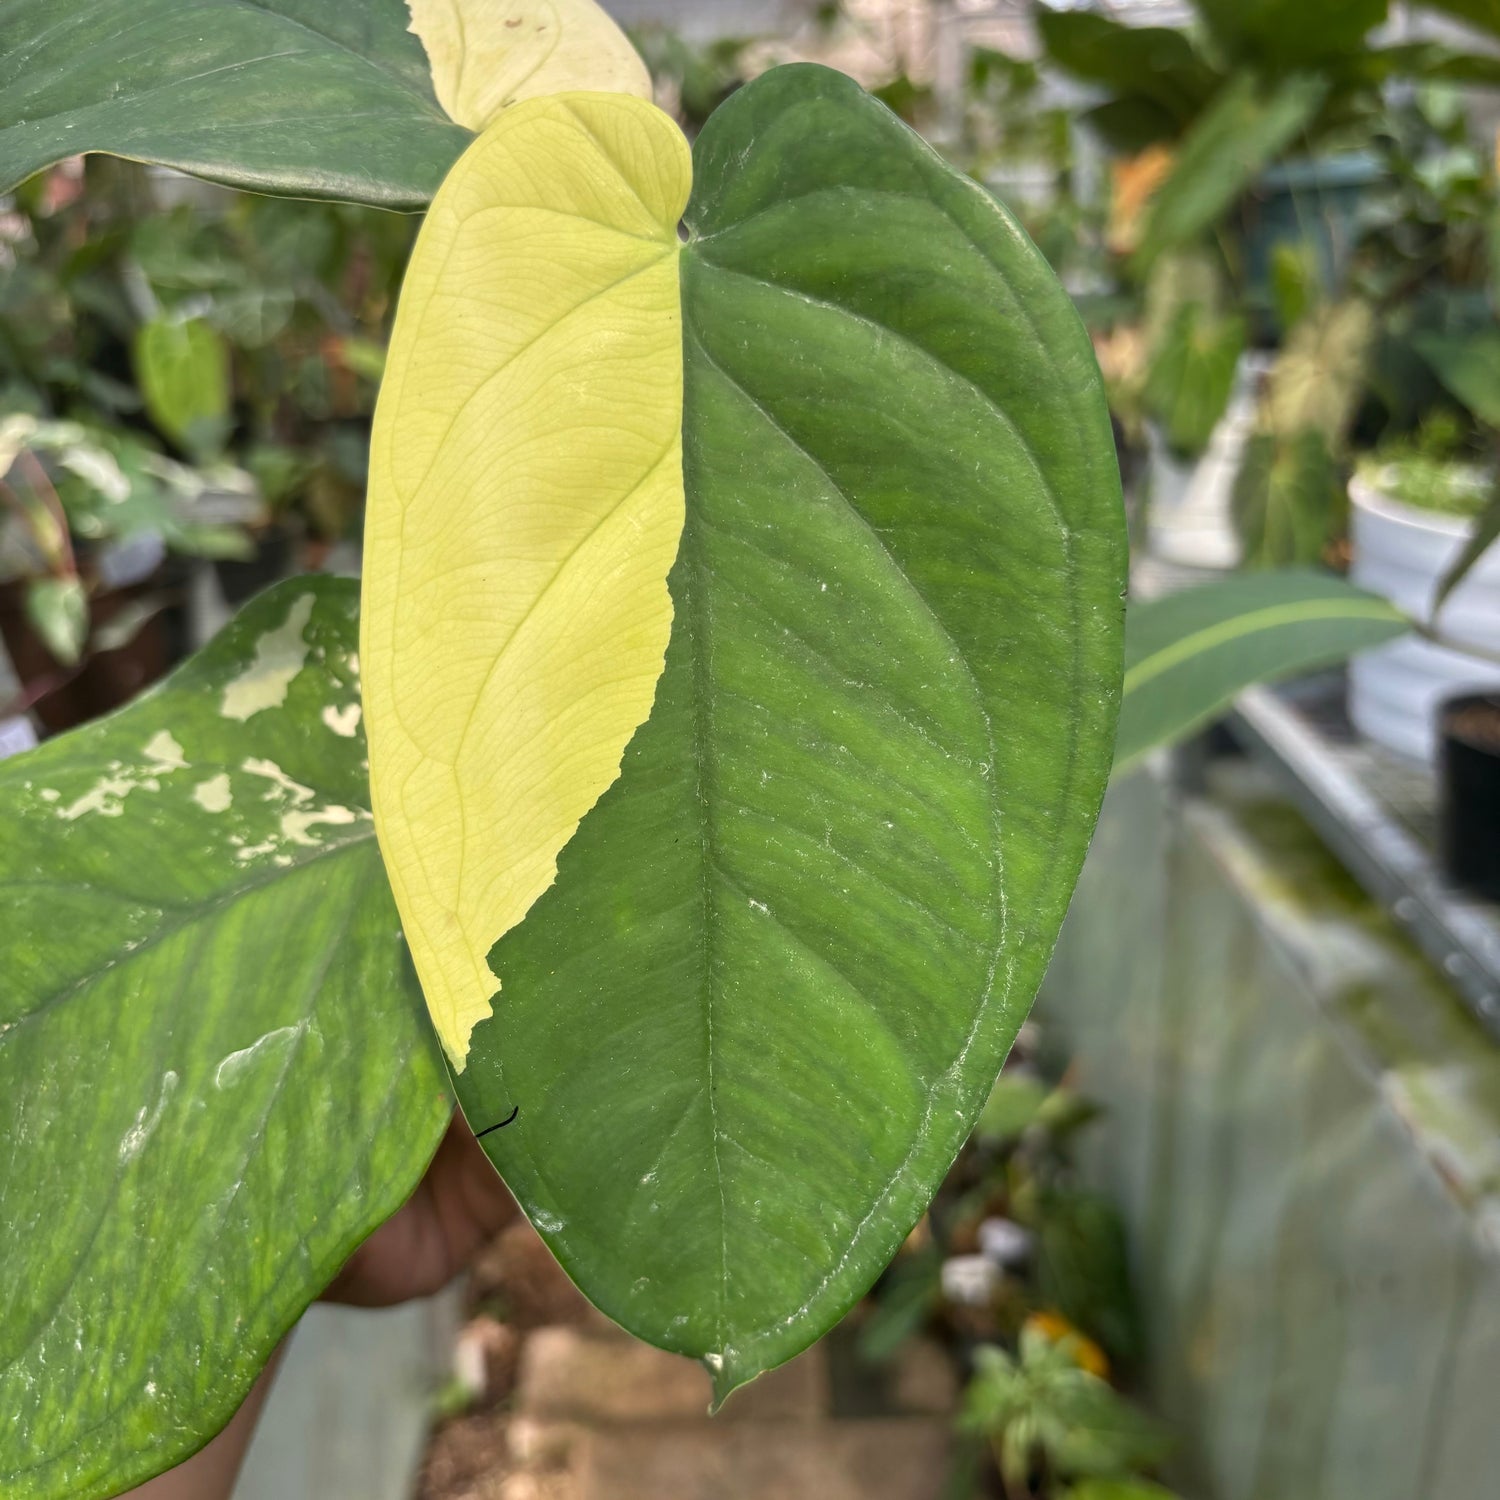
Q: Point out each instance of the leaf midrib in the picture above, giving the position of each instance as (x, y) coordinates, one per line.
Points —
(1225, 632)
(998, 887)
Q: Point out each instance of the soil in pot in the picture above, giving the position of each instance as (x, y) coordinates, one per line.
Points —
(1402, 552)
(1469, 730)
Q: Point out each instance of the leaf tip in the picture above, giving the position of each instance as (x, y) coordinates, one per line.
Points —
(729, 1371)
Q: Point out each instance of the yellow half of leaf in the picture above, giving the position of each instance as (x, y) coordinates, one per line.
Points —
(486, 55)
(525, 507)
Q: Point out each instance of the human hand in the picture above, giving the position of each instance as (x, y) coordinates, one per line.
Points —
(458, 1206)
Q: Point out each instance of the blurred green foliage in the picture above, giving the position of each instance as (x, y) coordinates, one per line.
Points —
(181, 366)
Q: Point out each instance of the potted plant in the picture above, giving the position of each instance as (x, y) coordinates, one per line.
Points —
(1412, 515)
(1313, 215)
(1469, 768)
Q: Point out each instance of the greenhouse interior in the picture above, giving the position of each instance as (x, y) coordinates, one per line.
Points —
(750, 751)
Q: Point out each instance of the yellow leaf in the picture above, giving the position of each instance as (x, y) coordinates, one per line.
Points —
(525, 507)
(486, 55)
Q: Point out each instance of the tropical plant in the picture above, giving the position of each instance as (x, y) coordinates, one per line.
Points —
(246, 328)
(1224, 100)
(739, 654)
(1049, 1418)
(1350, 288)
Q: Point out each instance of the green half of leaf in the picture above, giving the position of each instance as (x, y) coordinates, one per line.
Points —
(216, 1076)
(1188, 655)
(308, 98)
(750, 1025)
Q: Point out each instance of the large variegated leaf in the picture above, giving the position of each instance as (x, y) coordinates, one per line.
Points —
(309, 98)
(750, 1024)
(215, 1073)
(525, 506)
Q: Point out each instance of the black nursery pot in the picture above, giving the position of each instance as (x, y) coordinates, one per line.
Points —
(275, 557)
(1469, 771)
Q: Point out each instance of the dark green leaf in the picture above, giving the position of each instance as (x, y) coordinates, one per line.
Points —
(1482, 13)
(912, 1288)
(1083, 1270)
(1245, 129)
(1429, 61)
(1127, 126)
(1188, 655)
(216, 1076)
(1468, 364)
(1151, 63)
(1283, 35)
(753, 1021)
(310, 98)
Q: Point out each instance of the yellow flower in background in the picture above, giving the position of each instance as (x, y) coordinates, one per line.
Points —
(1135, 182)
(1086, 1354)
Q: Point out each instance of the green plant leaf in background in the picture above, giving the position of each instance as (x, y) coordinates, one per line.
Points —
(182, 366)
(58, 609)
(216, 1076)
(1192, 374)
(1469, 367)
(311, 98)
(1287, 503)
(1119, 1489)
(1083, 1269)
(1015, 1103)
(1128, 126)
(1151, 64)
(1482, 13)
(1289, 498)
(1188, 655)
(1484, 536)
(1246, 127)
(753, 1020)
(1039, 1409)
(1278, 35)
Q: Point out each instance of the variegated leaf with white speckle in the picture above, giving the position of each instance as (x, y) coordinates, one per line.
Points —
(216, 1074)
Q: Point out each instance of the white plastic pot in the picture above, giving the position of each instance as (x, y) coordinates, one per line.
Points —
(1189, 521)
(1403, 553)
